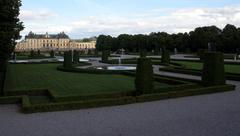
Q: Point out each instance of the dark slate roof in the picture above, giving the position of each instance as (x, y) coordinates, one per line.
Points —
(61, 35)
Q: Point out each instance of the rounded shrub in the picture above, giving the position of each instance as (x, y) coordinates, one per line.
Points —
(144, 76)
(213, 69)
(67, 59)
(165, 57)
(76, 55)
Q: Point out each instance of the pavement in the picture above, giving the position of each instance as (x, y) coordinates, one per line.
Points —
(203, 115)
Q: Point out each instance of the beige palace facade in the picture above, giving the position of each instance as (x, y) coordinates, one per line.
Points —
(57, 42)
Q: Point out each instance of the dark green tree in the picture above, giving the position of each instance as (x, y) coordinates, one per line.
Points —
(230, 38)
(10, 27)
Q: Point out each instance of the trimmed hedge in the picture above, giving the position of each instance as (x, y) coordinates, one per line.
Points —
(52, 54)
(10, 99)
(76, 55)
(3, 72)
(71, 105)
(166, 57)
(184, 93)
(144, 76)
(213, 69)
(77, 105)
(105, 55)
(229, 76)
(67, 59)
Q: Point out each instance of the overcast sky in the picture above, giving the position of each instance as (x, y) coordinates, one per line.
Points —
(86, 18)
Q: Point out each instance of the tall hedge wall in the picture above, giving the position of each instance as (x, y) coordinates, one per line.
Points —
(213, 69)
(144, 76)
(67, 59)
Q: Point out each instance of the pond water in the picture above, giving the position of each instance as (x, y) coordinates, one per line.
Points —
(117, 68)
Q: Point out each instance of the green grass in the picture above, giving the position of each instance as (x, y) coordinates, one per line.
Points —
(45, 76)
(198, 66)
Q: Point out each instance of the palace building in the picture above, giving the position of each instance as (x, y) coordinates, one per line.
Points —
(58, 42)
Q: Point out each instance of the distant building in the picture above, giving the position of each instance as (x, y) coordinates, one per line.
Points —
(58, 42)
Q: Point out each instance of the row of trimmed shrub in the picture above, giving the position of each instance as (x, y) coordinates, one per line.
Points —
(229, 76)
(71, 105)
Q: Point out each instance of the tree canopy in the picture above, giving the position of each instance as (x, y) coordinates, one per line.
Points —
(10, 26)
(226, 40)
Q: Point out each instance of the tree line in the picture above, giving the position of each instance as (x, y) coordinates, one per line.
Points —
(226, 40)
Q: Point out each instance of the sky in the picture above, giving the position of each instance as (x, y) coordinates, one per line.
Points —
(87, 18)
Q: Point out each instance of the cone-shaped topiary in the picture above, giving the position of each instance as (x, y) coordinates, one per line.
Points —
(201, 53)
(143, 53)
(76, 55)
(67, 59)
(89, 52)
(165, 57)
(213, 69)
(39, 53)
(52, 54)
(144, 76)
(32, 54)
(105, 54)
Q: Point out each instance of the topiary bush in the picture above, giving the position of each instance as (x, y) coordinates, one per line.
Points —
(105, 54)
(32, 54)
(143, 53)
(52, 54)
(67, 59)
(3, 69)
(201, 53)
(144, 76)
(165, 57)
(76, 55)
(89, 52)
(38, 52)
(213, 69)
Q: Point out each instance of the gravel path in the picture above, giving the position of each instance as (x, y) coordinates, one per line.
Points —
(204, 115)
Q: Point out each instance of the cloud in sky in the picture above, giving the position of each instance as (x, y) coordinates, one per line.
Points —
(169, 20)
(39, 14)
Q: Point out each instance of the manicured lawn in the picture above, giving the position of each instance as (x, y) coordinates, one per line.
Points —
(45, 76)
(198, 66)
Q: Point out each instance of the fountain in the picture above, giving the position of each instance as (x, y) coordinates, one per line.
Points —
(119, 67)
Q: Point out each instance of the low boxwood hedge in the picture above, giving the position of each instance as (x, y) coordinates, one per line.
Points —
(71, 105)
(229, 76)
